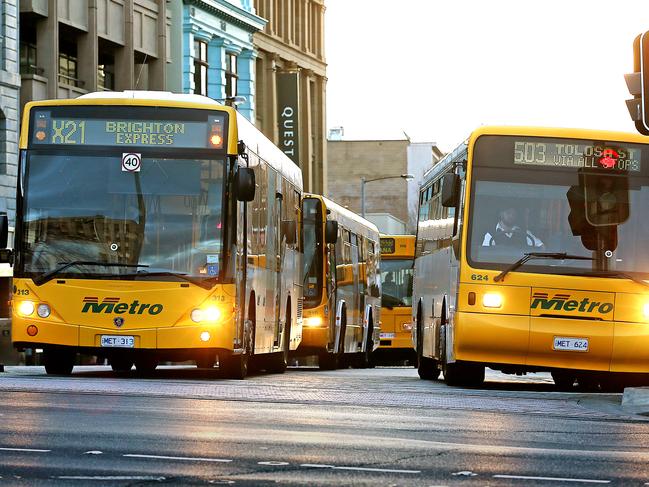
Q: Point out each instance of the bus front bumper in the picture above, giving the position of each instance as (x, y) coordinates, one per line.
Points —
(535, 342)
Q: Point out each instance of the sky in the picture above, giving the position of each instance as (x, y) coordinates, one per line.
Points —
(437, 69)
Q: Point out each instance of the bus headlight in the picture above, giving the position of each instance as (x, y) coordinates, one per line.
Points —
(25, 308)
(313, 321)
(646, 310)
(211, 313)
(43, 310)
(492, 300)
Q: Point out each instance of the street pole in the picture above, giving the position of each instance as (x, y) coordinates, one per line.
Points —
(363, 197)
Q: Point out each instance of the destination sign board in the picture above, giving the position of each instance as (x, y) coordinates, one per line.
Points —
(49, 129)
(387, 245)
(572, 154)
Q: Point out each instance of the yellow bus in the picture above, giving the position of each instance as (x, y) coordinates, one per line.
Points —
(342, 288)
(531, 255)
(397, 255)
(142, 219)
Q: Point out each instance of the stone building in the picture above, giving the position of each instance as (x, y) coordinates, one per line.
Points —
(71, 47)
(213, 52)
(351, 160)
(9, 109)
(291, 84)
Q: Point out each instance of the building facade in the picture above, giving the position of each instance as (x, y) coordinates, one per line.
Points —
(291, 84)
(213, 52)
(72, 47)
(9, 107)
(351, 160)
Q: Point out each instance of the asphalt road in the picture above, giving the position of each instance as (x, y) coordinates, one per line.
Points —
(380, 426)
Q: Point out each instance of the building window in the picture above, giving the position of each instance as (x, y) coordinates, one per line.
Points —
(68, 73)
(200, 67)
(28, 58)
(106, 77)
(231, 76)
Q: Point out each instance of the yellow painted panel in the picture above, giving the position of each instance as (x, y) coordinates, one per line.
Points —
(315, 337)
(630, 348)
(221, 336)
(482, 337)
(516, 300)
(571, 303)
(54, 333)
(544, 330)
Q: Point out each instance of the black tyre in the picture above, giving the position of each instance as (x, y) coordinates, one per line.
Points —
(464, 374)
(146, 365)
(365, 359)
(328, 361)
(564, 380)
(58, 362)
(121, 365)
(426, 367)
(278, 362)
(236, 366)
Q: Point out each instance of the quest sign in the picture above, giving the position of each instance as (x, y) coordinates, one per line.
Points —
(287, 117)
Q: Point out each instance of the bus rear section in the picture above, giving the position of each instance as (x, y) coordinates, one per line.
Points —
(397, 256)
(548, 261)
(341, 285)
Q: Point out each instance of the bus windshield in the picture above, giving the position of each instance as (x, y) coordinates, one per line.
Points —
(396, 283)
(166, 218)
(313, 250)
(585, 198)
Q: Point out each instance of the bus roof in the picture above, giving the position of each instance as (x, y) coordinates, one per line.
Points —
(348, 218)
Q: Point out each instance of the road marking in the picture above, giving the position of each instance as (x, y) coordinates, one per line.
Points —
(188, 459)
(465, 473)
(555, 479)
(273, 463)
(361, 469)
(110, 477)
(32, 450)
(93, 452)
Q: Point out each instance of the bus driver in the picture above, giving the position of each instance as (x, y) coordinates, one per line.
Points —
(507, 233)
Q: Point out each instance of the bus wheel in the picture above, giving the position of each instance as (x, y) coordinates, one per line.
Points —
(563, 379)
(58, 362)
(146, 365)
(121, 365)
(426, 367)
(365, 358)
(278, 362)
(328, 361)
(236, 366)
(463, 374)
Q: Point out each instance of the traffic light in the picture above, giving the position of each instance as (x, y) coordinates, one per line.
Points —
(638, 84)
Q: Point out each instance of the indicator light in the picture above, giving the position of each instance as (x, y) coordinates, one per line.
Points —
(646, 310)
(216, 140)
(32, 330)
(40, 135)
(492, 300)
(43, 310)
(25, 308)
(313, 321)
(205, 336)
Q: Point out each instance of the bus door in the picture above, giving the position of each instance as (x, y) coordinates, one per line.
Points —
(332, 290)
(279, 270)
(357, 312)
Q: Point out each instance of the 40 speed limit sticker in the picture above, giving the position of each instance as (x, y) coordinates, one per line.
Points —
(131, 162)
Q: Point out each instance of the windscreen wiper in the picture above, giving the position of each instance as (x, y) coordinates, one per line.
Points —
(48, 276)
(620, 274)
(204, 283)
(538, 255)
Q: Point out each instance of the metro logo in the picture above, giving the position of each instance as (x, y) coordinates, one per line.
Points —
(562, 302)
(113, 305)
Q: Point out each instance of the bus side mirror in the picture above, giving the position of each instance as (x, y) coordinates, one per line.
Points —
(450, 190)
(331, 231)
(244, 184)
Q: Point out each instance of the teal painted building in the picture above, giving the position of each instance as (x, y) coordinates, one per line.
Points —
(212, 51)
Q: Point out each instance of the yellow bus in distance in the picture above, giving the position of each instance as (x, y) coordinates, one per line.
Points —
(137, 213)
(532, 256)
(397, 256)
(342, 290)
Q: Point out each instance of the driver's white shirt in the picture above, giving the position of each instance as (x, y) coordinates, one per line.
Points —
(531, 238)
